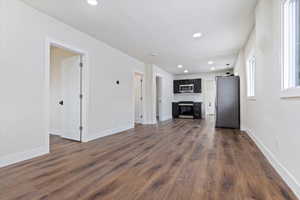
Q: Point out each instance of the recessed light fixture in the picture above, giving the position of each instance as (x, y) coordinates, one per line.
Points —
(213, 69)
(186, 71)
(180, 66)
(210, 62)
(197, 35)
(92, 2)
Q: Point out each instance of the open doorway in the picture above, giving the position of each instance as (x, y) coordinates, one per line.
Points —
(210, 97)
(158, 98)
(65, 96)
(138, 98)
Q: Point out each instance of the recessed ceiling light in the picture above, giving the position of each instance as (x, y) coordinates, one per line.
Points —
(213, 69)
(186, 71)
(210, 62)
(180, 66)
(92, 2)
(197, 35)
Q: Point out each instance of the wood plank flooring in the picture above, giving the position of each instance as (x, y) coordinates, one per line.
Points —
(177, 160)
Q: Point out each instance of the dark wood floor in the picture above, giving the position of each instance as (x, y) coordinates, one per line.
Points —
(178, 160)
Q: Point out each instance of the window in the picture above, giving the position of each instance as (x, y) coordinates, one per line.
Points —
(290, 44)
(251, 63)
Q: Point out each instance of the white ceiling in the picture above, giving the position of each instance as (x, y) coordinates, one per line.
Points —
(163, 27)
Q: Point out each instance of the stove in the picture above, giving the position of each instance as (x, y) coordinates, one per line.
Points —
(186, 109)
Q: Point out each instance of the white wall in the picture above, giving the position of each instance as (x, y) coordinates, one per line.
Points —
(23, 104)
(149, 95)
(239, 70)
(197, 97)
(271, 121)
(151, 72)
(167, 93)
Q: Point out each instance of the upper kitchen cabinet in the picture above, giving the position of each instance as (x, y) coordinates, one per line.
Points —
(197, 86)
(187, 86)
(176, 86)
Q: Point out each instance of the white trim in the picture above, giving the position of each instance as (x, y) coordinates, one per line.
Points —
(160, 109)
(251, 98)
(55, 132)
(85, 59)
(108, 132)
(290, 93)
(143, 96)
(165, 118)
(150, 122)
(281, 43)
(21, 156)
(251, 75)
(288, 64)
(286, 175)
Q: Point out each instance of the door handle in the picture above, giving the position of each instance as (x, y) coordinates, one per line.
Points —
(61, 103)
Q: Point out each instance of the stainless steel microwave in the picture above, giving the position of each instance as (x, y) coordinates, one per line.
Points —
(186, 88)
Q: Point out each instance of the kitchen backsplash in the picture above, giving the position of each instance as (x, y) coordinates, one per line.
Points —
(188, 97)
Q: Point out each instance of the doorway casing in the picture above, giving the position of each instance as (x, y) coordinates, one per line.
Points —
(141, 74)
(158, 98)
(84, 90)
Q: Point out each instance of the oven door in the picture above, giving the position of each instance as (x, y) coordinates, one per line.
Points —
(186, 110)
(186, 88)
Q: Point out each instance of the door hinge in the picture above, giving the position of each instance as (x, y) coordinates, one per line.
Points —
(81, 64)
(80, 128)
(81, 96)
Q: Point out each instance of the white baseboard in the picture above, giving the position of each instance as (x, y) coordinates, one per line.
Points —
(243, 127)
(286, 175)
(162, 119)
(149, 122)
(165, 118)
(107, 132)
(56, 132)
(21, 156)
(77, 138)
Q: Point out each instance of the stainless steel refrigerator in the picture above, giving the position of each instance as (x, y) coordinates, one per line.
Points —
(228, 102)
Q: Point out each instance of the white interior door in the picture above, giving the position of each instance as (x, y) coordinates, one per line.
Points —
(138, 83)
(210, 97)
(71, 89)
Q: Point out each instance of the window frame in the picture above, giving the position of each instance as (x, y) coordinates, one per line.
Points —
(289, 87)
(251, 76)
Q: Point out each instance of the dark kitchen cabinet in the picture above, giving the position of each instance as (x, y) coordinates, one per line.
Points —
(185, 82)
(197, 86)
(196, 82)
(197, 110)
(176, 84)
(175, 110)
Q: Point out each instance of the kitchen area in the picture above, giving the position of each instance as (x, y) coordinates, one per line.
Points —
(208, 94)
(187, 99)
